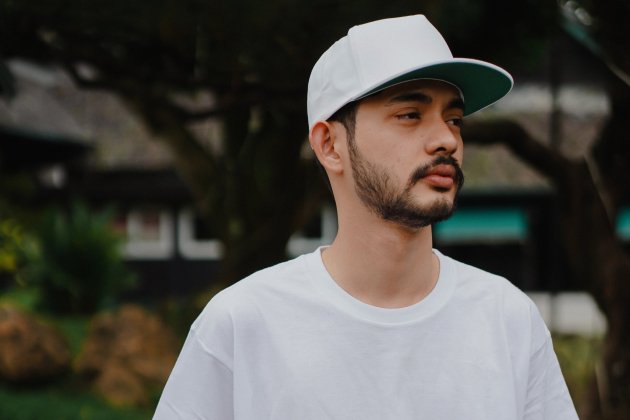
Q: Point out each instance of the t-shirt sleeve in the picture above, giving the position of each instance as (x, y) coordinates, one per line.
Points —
(547, 395)
(200, 386)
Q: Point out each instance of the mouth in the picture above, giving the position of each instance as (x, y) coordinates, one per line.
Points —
(441, 177)
(443, 174)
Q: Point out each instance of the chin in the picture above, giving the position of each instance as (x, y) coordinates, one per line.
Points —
(441, 208)
(436, 197)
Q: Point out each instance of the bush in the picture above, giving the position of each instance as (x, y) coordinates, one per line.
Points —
(60, 404)
(78, 267)
(15, 245)
(578, 356)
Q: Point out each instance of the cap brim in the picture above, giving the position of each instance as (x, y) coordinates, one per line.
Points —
(481, 83)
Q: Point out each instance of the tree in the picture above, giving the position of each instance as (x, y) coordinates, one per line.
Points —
(254, 59)
(591, 191)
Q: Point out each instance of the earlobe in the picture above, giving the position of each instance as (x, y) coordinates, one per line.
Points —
(324, 140)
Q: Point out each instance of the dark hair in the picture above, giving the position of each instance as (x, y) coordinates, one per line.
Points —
(347, 116)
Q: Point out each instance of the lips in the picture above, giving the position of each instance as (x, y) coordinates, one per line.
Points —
(441, 176)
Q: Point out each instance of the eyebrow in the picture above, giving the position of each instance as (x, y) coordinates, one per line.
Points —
(455, 103)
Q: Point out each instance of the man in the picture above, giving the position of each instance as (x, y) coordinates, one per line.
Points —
(378, 325)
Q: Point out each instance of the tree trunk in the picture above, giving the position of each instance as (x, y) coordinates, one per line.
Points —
(600, 265)
(598, 192)
(271, 192)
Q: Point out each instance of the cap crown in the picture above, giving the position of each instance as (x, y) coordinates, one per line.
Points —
(376, 55)
(390, 47)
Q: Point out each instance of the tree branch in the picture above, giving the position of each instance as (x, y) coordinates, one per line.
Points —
(503, 131)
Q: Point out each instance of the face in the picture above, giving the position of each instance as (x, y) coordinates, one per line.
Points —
(406, 150)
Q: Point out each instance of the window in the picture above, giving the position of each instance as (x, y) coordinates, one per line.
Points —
(149, 233)
(195, 240)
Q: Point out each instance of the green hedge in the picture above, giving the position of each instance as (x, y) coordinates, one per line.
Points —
(58, 404)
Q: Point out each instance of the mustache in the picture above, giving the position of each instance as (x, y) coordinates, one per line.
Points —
(424, 170)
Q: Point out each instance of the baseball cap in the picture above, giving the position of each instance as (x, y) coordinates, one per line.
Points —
(383, 53)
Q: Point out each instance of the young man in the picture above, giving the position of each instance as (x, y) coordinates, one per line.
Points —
(378, 325)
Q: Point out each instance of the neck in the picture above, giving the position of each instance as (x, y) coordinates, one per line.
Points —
(381, 263)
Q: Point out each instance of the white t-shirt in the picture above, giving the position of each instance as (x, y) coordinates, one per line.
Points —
(288, 343)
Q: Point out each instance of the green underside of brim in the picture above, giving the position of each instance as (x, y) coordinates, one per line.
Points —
(480, 85)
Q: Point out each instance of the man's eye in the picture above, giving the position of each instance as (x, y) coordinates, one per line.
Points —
(457, 122)
(409, 116)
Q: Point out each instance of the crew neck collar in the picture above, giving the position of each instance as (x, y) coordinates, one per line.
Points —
(344, 301)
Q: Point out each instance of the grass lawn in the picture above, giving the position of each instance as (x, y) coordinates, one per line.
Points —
(66, 398)
(59, 403)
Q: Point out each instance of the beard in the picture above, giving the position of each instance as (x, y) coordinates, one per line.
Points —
(377, 191)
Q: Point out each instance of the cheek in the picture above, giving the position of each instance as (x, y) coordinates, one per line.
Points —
(377, 146)
(459, 154)
(401, 160)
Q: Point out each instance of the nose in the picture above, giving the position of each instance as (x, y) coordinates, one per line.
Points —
(442, 138)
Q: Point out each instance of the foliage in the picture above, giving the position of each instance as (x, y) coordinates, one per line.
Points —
(74, 328)
(16, 192)
(15, 244)
(78, 267)
(60, 404)
(252, 59)
(26, 298)
(244, 65)
(67, 397)
(578, 356)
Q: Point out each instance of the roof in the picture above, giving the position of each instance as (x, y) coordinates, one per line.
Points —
(23, 149)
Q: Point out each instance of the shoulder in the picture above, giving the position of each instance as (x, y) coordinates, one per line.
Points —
(281, 278)
(237, 309)
(495, 293)
(261, 289)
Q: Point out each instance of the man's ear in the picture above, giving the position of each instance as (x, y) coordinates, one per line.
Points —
(325, 141)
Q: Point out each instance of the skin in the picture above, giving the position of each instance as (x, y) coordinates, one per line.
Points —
(382, 262)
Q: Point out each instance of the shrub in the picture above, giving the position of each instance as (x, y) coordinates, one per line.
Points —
(78, 268)
(15, 244)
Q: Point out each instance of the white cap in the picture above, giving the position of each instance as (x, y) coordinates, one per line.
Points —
(380, 54)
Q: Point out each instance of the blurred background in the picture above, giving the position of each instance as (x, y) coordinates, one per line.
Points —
(154, 152)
